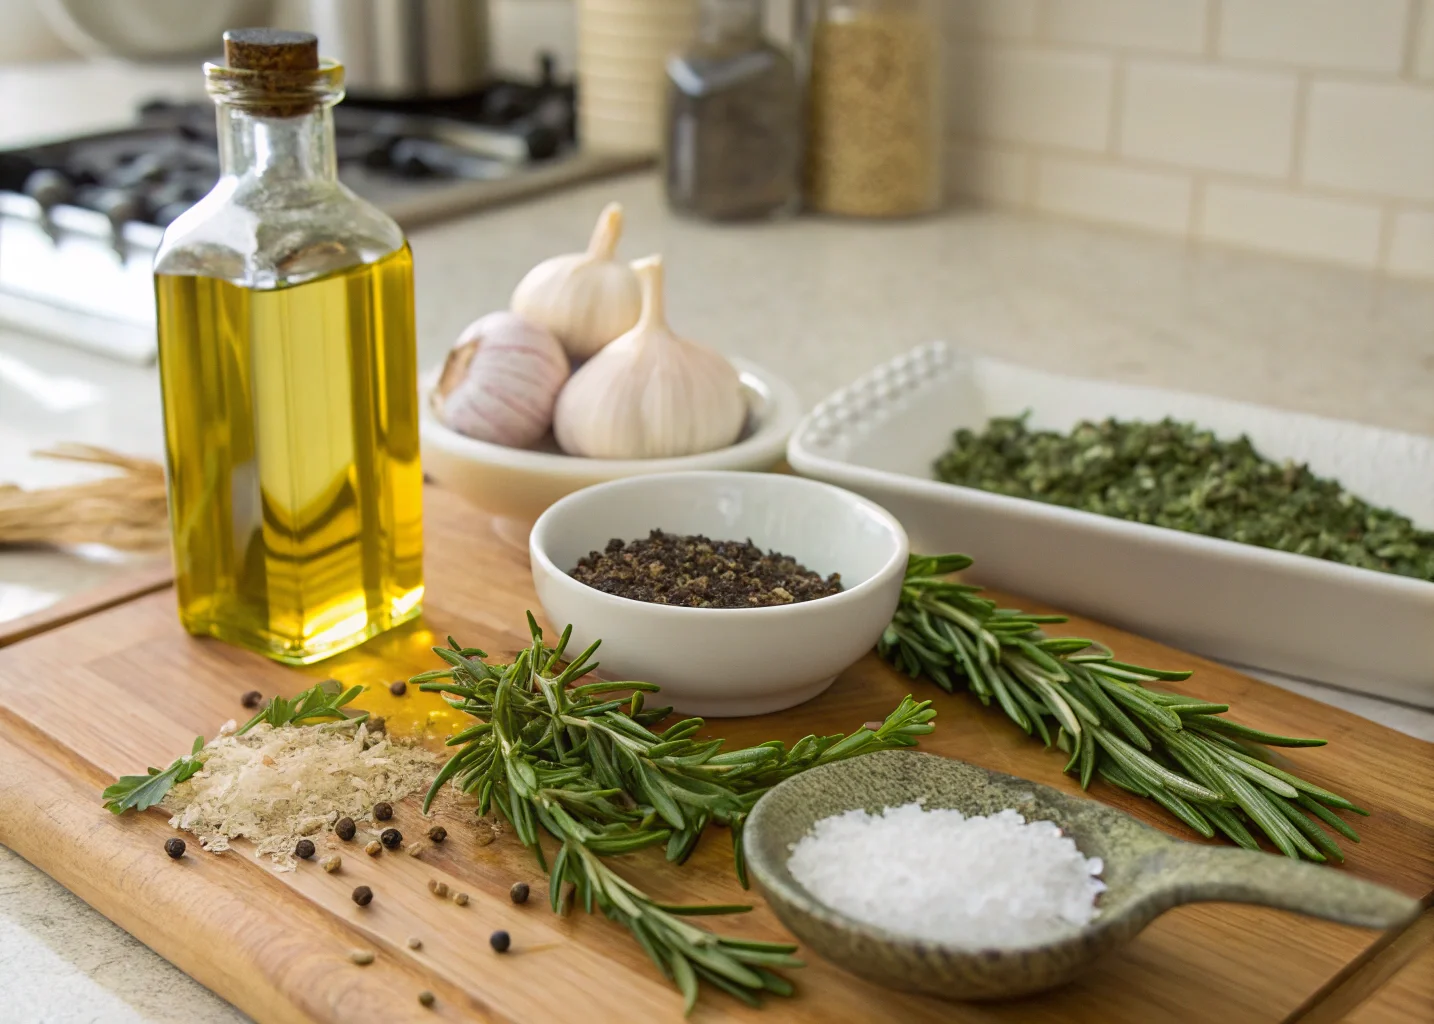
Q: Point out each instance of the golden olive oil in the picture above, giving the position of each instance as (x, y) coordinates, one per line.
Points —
(291, 426)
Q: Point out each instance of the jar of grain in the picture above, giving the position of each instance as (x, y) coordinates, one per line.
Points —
(874, 118)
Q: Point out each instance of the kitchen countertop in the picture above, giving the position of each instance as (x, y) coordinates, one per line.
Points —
(817, 301)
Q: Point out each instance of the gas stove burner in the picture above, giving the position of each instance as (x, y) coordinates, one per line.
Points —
(152, 173)
(81, 218)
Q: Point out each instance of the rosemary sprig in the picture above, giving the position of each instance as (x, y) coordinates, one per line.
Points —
(324, 700)
(142, 792)
(553, 754)
(1211, 773)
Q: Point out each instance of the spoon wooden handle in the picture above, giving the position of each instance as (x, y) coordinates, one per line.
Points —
(1207, 873)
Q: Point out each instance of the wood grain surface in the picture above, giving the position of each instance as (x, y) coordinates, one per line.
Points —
(125, 688)
(144, 579)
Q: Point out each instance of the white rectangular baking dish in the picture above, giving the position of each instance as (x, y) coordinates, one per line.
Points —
(1286, 613)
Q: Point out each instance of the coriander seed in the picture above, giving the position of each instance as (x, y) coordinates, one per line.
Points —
(414, 942)
(344, 828)
(391, 837)
(382, 811)
(439, 889)
(363, 895)
(414, 849)
(500, 941)
(362, 957)
(460, 898)
(437, 833)
(374, 848)
(174, 847)
(519, 892)
(331, 863)
(425, 997)
(252, 699)
(399, 688)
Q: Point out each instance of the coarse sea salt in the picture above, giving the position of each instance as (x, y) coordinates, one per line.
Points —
(980, 882)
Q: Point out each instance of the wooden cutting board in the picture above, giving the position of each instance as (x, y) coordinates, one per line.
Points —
(125, 688)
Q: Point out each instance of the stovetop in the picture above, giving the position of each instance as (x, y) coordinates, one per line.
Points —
(80, 218)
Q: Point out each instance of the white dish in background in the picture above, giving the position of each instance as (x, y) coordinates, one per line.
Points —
(723, 662)
(1286, 613)
(517, 484)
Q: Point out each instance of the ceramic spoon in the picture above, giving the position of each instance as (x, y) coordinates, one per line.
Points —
(1146, 872)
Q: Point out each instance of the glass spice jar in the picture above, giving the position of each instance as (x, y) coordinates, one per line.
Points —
(874, 110)
(733, 136)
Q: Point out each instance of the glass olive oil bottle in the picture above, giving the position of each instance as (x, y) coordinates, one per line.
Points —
(288, 369)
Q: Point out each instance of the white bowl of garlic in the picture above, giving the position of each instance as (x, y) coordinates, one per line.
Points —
(584, 382)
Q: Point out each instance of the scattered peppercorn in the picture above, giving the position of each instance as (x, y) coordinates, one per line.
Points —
(438, 833)
(332, 863)
(362, 957)
(363, 895)
(374, 848)
(304, 849)
(174, 847)
(519, 892)
(391, 837)
(425, 997)
(414, 942)
(377, 724)
(697, 572)
(252, 699)
(439, 889)
(382, 811)
(345, 828)
(398, 689)
(500, 941)
(461, 898)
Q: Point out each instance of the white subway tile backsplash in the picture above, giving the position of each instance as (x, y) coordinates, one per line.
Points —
(1208, 117)
(1372, 138)
(1113, 194)
(1310, 227)
(1177, 26)
(1411, 252)
(992, 19)
(1424, 43)
(989, 173)
(1036, 96)
(1350, 35)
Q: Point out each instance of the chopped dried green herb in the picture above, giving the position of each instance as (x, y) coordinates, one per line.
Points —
(1183, 477)
(697, 572)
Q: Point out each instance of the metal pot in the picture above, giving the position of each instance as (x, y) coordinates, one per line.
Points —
(405, 49)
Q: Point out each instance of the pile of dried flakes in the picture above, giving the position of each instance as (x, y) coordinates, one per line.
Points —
(274, 786)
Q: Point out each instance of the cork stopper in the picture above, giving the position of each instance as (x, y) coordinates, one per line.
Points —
(271, 49)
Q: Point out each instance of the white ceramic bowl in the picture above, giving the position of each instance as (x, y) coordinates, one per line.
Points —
(517, 484)
(725, 662)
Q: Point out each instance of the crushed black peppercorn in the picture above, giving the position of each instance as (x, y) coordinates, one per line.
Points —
(363, 895)
(390, 837)
(252, 699)
(344, 828)
(698, 572)
(304, 849)
(500, 941)
(382, 811)
(398, 688)
(437, 833)
(519, 892)
(174, 847)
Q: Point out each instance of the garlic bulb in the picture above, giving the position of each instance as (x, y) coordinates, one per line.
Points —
(650, 394)
(586, 298)
(500, 381)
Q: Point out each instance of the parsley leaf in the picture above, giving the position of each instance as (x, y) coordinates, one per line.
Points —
(142, 792)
